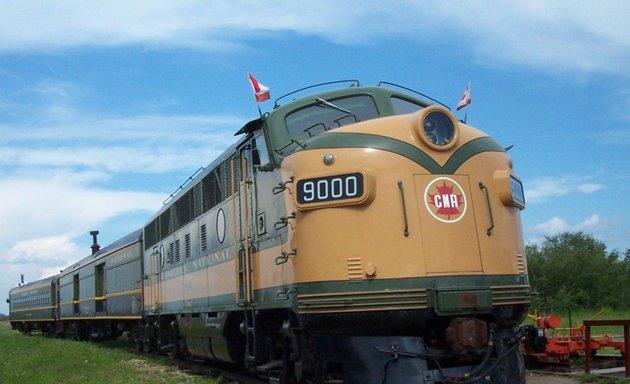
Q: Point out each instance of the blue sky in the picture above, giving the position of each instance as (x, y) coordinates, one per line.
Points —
(107, 107)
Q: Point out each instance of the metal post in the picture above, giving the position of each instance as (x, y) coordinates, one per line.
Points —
(626, 341)
(587, 351)
(626, 347)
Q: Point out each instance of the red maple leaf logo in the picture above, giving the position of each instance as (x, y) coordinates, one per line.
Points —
(446, 202)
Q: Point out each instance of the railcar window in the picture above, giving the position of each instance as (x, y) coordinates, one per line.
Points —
(329, 114)
(402, 106)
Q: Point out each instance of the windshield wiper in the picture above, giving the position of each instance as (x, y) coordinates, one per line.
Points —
(333, 106)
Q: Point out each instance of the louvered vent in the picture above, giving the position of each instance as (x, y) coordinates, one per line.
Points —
(187, 245)
(203, 235)
(169, 254)
(355, 268)
(520, 260)
(177, 251)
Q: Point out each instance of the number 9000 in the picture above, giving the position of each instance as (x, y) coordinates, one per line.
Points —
(330, 188)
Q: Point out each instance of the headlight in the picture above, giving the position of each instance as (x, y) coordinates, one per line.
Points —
(518, 196)
(509, 189)
(438, 128)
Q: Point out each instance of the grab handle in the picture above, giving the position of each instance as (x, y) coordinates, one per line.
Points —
(404, 207)
(485, 190)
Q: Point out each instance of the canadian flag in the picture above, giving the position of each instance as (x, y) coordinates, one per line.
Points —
(466, 99)
(260, 91)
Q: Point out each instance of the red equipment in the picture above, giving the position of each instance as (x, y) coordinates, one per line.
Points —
(544, 341)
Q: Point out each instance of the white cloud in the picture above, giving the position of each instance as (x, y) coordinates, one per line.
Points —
(559, 34)
(62, 202)
(552, 226)
(544, 188)
(590, 224)
(125, 144)
(557, 225)
(563, 35)
(50, 252)
(589, 188)
(608, 231)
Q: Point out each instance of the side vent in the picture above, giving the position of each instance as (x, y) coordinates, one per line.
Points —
(169, 254)
(203, 236)
(177, 251)
(520, 261)
(355, 268)
(187, 245)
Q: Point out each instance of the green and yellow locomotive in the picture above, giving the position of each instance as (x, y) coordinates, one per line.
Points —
(356, 235)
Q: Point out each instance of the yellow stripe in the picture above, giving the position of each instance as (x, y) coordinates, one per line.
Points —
(124, 293)
(31, 309)
(28, 320)
(102, 318)
(99, 298)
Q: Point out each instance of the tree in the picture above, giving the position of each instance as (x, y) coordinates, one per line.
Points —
(574, 269)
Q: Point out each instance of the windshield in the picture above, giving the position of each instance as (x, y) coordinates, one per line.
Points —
(402, 106)
(329, 114)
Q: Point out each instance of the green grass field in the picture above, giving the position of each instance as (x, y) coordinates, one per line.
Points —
(40, 359)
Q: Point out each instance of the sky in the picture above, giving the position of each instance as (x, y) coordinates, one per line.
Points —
(107, 107)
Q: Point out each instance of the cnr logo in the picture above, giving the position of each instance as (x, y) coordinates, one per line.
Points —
(445, 200)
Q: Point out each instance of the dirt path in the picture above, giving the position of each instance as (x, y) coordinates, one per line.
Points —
(536, 378)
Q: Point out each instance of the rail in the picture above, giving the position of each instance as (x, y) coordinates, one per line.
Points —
(626, 341)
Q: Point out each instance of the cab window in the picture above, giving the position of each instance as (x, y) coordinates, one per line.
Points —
(261, 154)
(402, 106)
(329, 114)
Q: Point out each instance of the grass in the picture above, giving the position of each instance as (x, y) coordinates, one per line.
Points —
(40, 359)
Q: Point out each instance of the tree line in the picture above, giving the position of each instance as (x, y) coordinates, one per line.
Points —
(573, 269)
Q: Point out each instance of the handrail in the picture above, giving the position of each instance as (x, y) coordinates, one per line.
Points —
(485, 190)
(354, 82)
(414, 91)
(404, 207)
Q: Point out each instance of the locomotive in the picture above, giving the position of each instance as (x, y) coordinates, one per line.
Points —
(359, 234)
